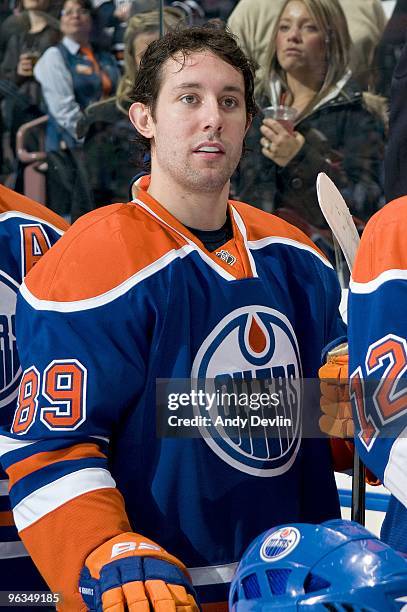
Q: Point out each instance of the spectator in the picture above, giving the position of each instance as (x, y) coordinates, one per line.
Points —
(396, 150)
(16, 21)
(109, 134)
(253, 21)
(389, 49)
(73, 74)
(23, 50)
(112, 17)
(336, 131)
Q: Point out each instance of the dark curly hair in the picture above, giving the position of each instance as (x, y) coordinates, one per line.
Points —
(186, 41)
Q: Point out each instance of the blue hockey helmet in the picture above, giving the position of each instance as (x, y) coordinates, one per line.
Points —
(337, 566)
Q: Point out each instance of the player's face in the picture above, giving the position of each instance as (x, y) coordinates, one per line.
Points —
(199, 122)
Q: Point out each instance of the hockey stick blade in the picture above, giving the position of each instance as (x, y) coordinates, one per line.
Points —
(338, 217)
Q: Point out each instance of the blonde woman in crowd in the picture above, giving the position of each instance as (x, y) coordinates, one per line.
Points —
(252, 21)
(337, 129)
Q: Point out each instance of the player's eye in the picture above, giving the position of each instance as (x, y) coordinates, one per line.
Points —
(283, 27)
(229, 102)
(189, 99)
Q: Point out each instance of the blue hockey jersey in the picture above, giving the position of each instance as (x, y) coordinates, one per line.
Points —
(127, 297)
(378, 359)
(27, 230)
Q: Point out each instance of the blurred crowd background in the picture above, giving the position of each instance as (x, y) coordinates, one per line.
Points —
(66, 75)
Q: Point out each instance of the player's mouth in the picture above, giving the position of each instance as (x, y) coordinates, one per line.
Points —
(209, 150)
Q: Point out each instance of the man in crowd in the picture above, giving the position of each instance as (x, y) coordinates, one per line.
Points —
(178, 284)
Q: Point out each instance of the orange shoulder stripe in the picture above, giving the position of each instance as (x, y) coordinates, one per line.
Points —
(60, 541)
(36, 462)
(12, 201)
(261, 224)
(382, 246)
(100, 251)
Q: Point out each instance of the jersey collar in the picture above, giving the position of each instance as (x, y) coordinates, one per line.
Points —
(237, 247)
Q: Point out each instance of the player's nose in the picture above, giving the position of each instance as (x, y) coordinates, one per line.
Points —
(212, 116)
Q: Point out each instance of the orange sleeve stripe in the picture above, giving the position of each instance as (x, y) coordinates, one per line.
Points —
(6, 519)
(10, 201)
(60, 541)
(36, 462)
(383, 243)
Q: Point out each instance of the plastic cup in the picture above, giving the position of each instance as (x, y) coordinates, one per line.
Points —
(34, 56)
(283, 114)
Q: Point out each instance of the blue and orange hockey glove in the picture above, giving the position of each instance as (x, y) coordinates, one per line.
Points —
(130, 572)
(336, 407)
(336, 420)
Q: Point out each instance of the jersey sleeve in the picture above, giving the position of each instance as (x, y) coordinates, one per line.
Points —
(27, 232)
(378, 347)
(80, 375)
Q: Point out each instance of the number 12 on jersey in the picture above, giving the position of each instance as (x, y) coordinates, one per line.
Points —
(386, 358)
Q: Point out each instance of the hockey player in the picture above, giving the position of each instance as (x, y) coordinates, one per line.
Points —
(338, 565)
(178, 284)
(27, 230)
(378, 337)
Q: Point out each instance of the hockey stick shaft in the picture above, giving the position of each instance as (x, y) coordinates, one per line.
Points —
(335, 212)
(358, 490)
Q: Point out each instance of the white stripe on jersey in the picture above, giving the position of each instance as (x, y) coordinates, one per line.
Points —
(11, 444)
(242, 229)
(384, 277)
(395, 475)
(112, 294)
(53, 495)
(10, 550)
(20, 215)
(263, 242)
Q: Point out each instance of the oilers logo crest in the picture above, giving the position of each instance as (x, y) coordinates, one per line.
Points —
(9, 363)
(252, 351)
(280, 543)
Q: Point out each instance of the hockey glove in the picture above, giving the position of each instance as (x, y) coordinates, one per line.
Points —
(337, 419)
(130, 572)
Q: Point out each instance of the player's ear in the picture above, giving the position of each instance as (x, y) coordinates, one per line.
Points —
(140, 116)
(249, 120)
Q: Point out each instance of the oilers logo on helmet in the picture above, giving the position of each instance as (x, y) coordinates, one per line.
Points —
(252, 349)
(9, 363)
(280, 543)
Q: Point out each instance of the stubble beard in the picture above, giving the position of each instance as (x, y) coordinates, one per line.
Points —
(195, 179)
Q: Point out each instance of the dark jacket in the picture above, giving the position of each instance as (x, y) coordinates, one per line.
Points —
(389, 49)
(342, 138)
(396, 151)
(112, 154)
